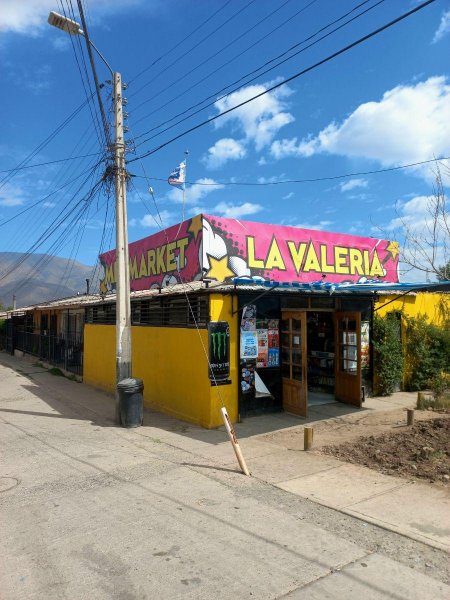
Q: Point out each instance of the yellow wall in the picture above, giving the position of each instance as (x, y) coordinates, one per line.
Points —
(221, 308)
(434, 305)
(173, 364)
(99, 360)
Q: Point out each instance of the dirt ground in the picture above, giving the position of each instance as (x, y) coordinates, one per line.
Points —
(421, 451)
(381, 440)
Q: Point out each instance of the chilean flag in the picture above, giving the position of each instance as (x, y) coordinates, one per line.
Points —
(178, 176)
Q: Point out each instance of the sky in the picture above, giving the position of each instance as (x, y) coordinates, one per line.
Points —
(382, 104)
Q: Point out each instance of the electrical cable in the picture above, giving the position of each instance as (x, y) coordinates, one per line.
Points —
(222, 49)
(59, 242)
(28, 208)
(310, 180)
(93, 112)
(50, 162)
(179, 43)
(44, 143)
(292, 78)
(246, 83)
(64, 214)
(94, 72)
(176, 60)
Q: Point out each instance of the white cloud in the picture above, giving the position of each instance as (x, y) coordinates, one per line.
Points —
(224, 150)
(11, 195)
(288, 196)
(444, 27)
(424, 238)
(29, 17)
(291, 147)
(351, 184)
(272, 179)
(414, 214)
(320, 225)
(236, 211)
(409, 124)
(260, 119)
(49, 204)
(154, 221)
(195, 192)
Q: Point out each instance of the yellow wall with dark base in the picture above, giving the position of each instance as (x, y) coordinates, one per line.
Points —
(173, 364)
(434, 305)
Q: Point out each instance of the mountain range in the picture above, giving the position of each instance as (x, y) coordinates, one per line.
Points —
(40, 278)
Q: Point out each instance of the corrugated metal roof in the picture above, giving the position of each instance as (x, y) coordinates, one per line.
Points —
(241, 285)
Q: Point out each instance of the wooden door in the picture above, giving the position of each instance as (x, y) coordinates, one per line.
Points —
(293, 362)
(348, 358)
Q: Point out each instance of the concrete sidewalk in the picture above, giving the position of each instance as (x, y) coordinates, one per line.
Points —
(92, 511)
(413, 509)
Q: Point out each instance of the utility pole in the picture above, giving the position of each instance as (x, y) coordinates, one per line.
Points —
(123, 309)
(122, 270)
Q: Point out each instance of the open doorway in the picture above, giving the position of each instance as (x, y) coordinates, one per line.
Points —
(320, 358)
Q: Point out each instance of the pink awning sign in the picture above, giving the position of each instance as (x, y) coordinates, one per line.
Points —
(221, 249)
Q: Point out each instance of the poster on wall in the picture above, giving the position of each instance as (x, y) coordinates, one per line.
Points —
(219, 350)
(273, 359)
(263, 348)
(248, 377)
(249, 344)
(248, 320)
(365, 345)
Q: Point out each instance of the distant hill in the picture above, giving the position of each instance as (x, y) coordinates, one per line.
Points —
(55, 277)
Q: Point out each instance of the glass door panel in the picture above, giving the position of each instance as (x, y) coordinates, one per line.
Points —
(293, 356)
(348, 363)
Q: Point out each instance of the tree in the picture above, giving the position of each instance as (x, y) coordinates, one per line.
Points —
(444, 272)
(426, 241)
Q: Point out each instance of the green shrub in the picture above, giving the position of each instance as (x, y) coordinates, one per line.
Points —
(428, 352)
(388, 353)
(440, 385)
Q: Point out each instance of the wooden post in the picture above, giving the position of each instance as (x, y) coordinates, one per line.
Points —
(410, 416)
(308, 440)
(233, 439)
(420, 400)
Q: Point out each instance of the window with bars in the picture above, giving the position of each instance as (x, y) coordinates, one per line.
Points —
(170, 312)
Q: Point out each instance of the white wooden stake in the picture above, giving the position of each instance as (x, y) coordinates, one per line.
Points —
(233, 439)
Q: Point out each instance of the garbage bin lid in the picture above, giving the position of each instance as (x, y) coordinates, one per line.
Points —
(131, 384)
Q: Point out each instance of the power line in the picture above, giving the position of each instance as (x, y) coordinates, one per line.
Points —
(217, 98)
(85, 81)
(233, 16)
(289, 79)
(94, 72)
(50, 162)
(310, 180)
(179, 43)
(28, 208)
(222, 49)
(44, 143)
(57, 223)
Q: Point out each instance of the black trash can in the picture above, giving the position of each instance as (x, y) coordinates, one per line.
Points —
(131, 402)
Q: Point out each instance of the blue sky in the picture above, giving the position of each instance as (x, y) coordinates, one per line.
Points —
(383, 104)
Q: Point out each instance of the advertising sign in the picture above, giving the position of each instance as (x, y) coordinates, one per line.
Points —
(219, 350)
(219, 249)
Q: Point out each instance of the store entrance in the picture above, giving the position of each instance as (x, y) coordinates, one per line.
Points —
(320, 356)
(320, 359)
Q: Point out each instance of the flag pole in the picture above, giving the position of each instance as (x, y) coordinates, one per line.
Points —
(186, 152)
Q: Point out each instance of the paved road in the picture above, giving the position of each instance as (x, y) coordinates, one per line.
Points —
(90, 511)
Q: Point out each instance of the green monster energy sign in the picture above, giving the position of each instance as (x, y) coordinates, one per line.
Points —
(219, 350)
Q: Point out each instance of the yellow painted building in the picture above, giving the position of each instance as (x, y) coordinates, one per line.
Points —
(434, 305)
(173, 363)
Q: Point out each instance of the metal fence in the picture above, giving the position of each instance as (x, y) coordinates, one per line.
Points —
(61, 351)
